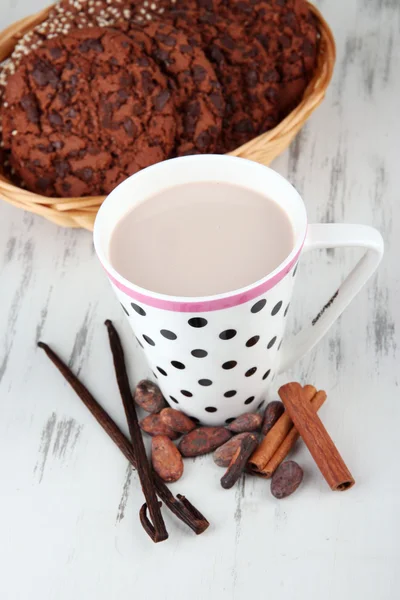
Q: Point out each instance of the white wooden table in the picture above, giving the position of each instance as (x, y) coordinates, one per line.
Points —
(68, 501)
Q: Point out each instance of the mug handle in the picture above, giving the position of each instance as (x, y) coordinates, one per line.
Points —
(334, 235)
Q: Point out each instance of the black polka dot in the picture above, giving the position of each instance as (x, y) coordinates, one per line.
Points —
(174, 400)
(125, 311)
(228, 334)
(271, 342)
(154, 375)
(258, 306)
(148, 340)
(160, 370)
(139, 342)
(195, 419)
(286, 310)
(199, 353)
(280, 345)
(249, 400)
(295, 269)
(197, 322)
(276, 308)
(227, 421)
(260, 405)
(205, 382)
(252, 341)
(138, 309)
(250, 372)
(211, 409)
(230, 364)
(170, 335)
(186, 393)
(177, 364)
(266, 374)
(230, 393)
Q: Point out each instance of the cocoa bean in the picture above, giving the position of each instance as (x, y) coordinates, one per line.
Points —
(272, 412)
(153, 425)
(149, 397)
(246, 422)
(203, 440)
(176, 420)
(239, 461)
(166, 459)
(286, 479)
(223, 455)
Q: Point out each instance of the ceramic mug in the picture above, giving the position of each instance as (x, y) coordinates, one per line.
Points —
(214, 357)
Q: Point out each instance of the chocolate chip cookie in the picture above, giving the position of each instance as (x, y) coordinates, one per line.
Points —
(197, 93)
(84, 111)
(65, 16)
(247, 75)
(288, 31)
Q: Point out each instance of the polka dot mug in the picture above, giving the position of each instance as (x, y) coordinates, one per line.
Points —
(214, 357)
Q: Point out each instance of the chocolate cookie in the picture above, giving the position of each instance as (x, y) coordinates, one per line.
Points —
(247, 75)
(198, 95)
(84, 111)
(65, 16)
(288, 32)
(284, 27)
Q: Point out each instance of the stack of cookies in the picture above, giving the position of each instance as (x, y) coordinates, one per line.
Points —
(104, 88)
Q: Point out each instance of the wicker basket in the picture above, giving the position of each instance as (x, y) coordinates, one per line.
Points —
(81, 212)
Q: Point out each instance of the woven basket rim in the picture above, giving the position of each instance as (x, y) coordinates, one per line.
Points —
(80, 212)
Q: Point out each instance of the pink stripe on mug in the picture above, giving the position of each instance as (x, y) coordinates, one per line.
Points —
(205, 305)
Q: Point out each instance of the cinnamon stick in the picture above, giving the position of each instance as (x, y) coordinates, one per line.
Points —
(157, 531)
(290, 439)
(180, 506)
(275, 437)
(316, 438)
(310, 391)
